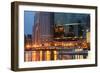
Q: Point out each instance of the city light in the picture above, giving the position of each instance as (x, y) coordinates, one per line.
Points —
(53, 40)
(28, 46)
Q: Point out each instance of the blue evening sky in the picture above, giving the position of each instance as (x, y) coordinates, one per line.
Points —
(28, 21)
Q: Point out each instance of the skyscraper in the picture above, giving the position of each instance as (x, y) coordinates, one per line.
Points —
(42, 33)
(43, 27)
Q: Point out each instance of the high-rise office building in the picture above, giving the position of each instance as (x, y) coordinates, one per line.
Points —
(42, 33)
(73, 22)
(43, 27)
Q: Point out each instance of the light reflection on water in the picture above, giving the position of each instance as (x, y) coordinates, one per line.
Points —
(47, 55)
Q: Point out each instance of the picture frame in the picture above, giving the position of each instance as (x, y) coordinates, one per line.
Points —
(74, 26)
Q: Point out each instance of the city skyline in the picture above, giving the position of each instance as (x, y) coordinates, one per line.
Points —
(56, 36)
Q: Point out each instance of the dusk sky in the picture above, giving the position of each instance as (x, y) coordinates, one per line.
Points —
(28, 21)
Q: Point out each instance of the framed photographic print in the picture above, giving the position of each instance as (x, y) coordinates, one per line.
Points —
(52, 36)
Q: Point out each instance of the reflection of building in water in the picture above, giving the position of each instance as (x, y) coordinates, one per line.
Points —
(63, 36)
